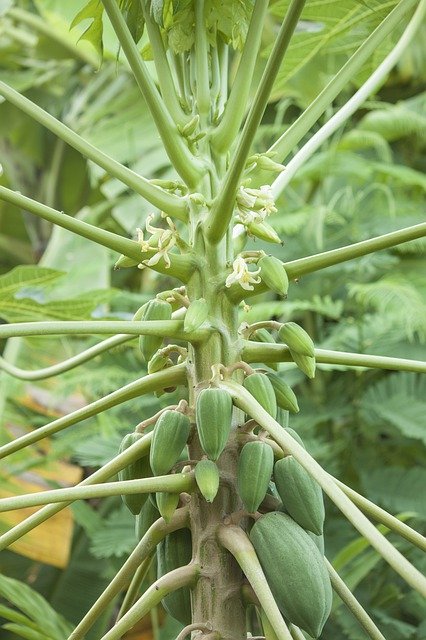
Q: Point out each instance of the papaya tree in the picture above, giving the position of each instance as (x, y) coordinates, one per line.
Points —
(224, 493)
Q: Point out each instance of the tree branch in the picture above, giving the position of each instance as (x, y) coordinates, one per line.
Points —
(221, 213)
(170, 204)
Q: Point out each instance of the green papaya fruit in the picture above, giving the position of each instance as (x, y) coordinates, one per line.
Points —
(138, 469)
(296, 338)
(148, 515)
(286, 398)
(167, 504)
(154, 310)
(273, 274)
(301, 495)
(170, 435)
(255, 465)
(262, 390)
(173, 552)
(295, 571)
(207, 479)
(195, 315)
(213, 411)
(305, 363)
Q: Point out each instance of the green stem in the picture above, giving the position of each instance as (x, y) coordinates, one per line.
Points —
(65, 365)
(296, 634)
(220, 216)
(182, 266)
(139, 575)
(225, 133)
(236, 541)
(302, 266)
(162, 380)
(262, 352)
(163, 328)
(164, 75)
(201, 53)
(180, 156)
(41, 25)
(110, 469)
(171, 204)
(353, 605)
(170, 484)
(352, 105)
(245, 401)
(294, 134)
(176, 579)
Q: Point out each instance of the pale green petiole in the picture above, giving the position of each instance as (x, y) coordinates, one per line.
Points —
(163, 379)
(236, 541)
(175, 483)
(302, 266)
(220, 217)
(181, 158)
(65, 365)
(268, 352)
(223, 136)
(182, 577)
(171, 204)
(352, 105)
(294, 134)
(122, 460)
(245, 401)
(143, 550)
(181, 266)
(162, 328)
(353, 605)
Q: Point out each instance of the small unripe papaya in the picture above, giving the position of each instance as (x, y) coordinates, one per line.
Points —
(170, 435)
(262, 390)
(296, 338)
(148, 515)
(167, 504)
(138, 469)
(286, 398)
(255, 465)
(154, 310)
(213, 411)
(301, 495)
(273, 274)
(173, 552)
(305, 363)
(207, 479)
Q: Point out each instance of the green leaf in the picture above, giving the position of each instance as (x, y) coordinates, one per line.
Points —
(398, 400)
(43, 617)
(24, 277)
(397, 488)
(93, 11)
(116, 537)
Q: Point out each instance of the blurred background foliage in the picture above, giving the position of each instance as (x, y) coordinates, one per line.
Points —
(366, 427)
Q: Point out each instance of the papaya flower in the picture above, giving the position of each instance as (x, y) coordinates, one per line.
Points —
(242, 275)
(254, 205)
(163, 240)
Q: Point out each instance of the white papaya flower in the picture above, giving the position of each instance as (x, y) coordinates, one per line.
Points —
(242, 275)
